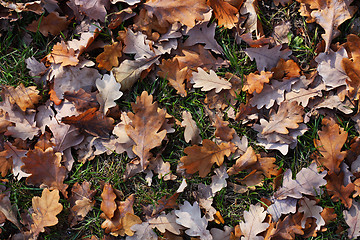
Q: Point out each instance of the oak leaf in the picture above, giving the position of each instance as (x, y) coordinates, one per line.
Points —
(202, 33)
(253, 223)
(308, 181)
(23, 97)
(92, 121)
(6, 163)
(201, 158)
(63, 55)
(310, 209)
(351, 67)
(280, 207)
(288, 116)
(267, 58)
(94, 9)
(189, 216)
(142, 231)
(108, 205)
(130, 71)
(286, 69)
(247, 159)
(337, 190)
(16, 154)
(110, 57)
(136, 43)
(223, 131)
(82, 100)
(192, 132)
(52, 24)
(109, 91)
(331, 139)
(45, 208)
(352, 218)
(207, 82)
(166, 222)
(45, 169)
(171, 71)
(288, 227)
(255, 82)
(184, 11)
(224, 12)
(331, 15)
(145, 128)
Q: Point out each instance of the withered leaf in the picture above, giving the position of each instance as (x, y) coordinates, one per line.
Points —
(192, 132)
(94, 9)
(166, 222)
(63, 55)
(201, 158)
(92, 121)
(145, 128)
(23, 97)
(332, 139)
(82, 100)
(310, 209)
(253, 223)
(110, 57)
(224, 12)
(286, 69)
(52, 24)
(255, 82)
(206, 82)
(308, 181)
(247, 159)
(288, 116)
(109, 91)
(352, 67)
(45, 208)
(184, 11)
(45, 169)
(288, 227)
(337, 190)
(136, 43)
(108, 205)
(223, 131)
(170, 70)
(352, 218)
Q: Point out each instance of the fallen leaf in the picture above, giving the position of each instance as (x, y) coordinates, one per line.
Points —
(52, 24)
(311, 210)
(253, 223)
(94, 9)
(110, 57)
(23, 97)
(82, 100)
(352, 219)
(286, 69)
(171, 71)
(142, 231)
(255, 82)
(267, 58)
(337, 190)
(288, 227)
(281, 207)
(45, 209)
(8, 210)
(224, 12)
(109, 91)
(189, 216)
(192, 132)
(63, 55)
(92, 121)
(184, 11)
(166, 222)
(332, 139)
(223, 131)
(308, 181)
(207, 82)
(201, 158)
(351, 67)
(247, 159)
(45, 169)
(145, 127)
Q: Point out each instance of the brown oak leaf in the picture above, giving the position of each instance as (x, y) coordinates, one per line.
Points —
(286, 69)
(92, 121)
(352, 67)
(45, 209)
(52, 24)
(63, 55)
(108, 205)
(184, 11)
(288, 227)
(23, 97)
(201, 158)
(82, 100)
(145, 128)
(207, 82)
(223, 131)
(337, 190)
(45, 169)
(255, 82)
(224, 12)
(110, 57)
(192, 132)
(331, 139)
(171, 71)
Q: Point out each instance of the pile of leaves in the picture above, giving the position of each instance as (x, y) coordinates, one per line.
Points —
(73, 115)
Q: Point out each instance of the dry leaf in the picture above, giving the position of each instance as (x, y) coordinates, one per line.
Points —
(45, 208)
(201, 158)
(192, 132)
(223, 131)
(110, 57)
(63, 55)
(45, 169)
(310, 209)
(171, 71)
(23, 97)
(332, 139)
(224, 12)
(288, 227)
(145, 128)
(184, 11)
(82, 100)
(166, 223)
(255, 82)
(286, 69)
(52, 24)
(207, 82)
(247, 159)
(337, 190)
(352, 67)
(253, 223)
(109, 91)
(352, 218)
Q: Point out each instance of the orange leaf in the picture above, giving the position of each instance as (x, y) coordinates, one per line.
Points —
(109, 58)
(201, 158)
(332, 139)
(52, 24)
(171, 71)
(23, 97)
(224, 12)
(108, 205)
(255, 82)
(286, 69)
(92, 121)
(62, 54)
(336, 189)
